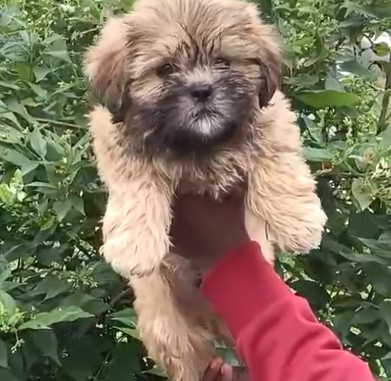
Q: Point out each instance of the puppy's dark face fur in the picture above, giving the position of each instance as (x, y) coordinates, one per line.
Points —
(200, 102)
(186, 76)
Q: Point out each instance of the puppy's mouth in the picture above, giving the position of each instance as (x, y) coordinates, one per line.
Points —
(207, 124)
(195, 131)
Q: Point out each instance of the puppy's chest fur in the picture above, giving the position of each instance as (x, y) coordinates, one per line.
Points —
(214, 173)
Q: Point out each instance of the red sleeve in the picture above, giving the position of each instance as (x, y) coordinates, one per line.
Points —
(276, 334)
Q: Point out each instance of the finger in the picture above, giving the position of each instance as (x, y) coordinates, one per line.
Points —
(240, 374)
(226, 373)
(213, 371)
(239, 190)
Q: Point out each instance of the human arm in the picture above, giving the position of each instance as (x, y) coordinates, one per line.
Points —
(276, 334)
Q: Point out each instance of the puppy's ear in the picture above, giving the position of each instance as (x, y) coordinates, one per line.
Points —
(105, 66)
(269, 55)
(271, 81)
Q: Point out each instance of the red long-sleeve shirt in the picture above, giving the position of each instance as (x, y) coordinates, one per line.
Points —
(276, 334)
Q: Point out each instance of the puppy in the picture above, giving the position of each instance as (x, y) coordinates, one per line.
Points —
(191, 104)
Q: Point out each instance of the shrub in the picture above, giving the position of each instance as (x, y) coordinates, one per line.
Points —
(64, 314)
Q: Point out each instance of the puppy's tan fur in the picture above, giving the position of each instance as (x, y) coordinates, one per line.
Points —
(282, 207)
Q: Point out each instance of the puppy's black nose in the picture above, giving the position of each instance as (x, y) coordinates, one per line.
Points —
(201, 92)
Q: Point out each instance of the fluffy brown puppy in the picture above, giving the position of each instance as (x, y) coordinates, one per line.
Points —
(191, 103)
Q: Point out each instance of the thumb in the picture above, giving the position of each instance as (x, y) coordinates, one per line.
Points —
(239, 190)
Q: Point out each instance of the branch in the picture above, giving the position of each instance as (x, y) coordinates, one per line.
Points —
(59, 123)
(385, 104)
(386, 99)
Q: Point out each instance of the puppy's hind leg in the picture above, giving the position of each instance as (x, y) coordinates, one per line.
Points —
(182, 349)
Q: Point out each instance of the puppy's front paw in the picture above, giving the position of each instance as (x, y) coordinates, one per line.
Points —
(130, 259)
(304, 234)
(135, 230)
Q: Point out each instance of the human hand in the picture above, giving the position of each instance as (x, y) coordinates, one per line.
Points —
(204, 229)
(218, 371)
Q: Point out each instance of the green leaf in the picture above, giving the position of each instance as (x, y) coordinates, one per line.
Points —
(28, 168)
(9, 286)
(58, 49)
(266, 7)
(385, 311)
(11, 117)
(38, 143)
(360, 193)
(381, 11)
(317, 154)
(380, 246)
(41, 92)
(79, 365)
(228, 356)
(23, 71)
(7, 375)
(332, 83)
(132, 332)
(364, 225)
(7, 304)
(86, 302)
(4, 275)
(45, 319)
(334, 246)
(45, 341)
(125, 363)
(17, 252)
(352, 7)
(126, 317)
(342, 323)
(385, 138)
(42, 185)
(3, 355)
(381, 49)
(40, 72)
(387, 356)
(316, 295)
(15, 361)
(368, 314)
(9, 134)
(77, 203)
(379, 276)
(19, 160)
(9, 85)
(328, 98)
(51, 287)
(15, 157)
(18, 108)
(356, 68)
(62, 208)
(303, 80)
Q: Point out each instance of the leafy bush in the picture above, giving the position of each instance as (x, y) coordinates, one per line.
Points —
(64, 314)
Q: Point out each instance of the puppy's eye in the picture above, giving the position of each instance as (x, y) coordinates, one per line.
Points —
(222, 62)
(166, 69)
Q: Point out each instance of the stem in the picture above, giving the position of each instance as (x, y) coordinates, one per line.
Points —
(100, 370)
(58, 123)
(123, 293)
(385, 104)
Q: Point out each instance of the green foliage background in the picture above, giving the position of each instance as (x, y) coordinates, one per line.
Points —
(64, 314)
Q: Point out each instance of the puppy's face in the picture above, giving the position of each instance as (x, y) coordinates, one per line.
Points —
(185, 75)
